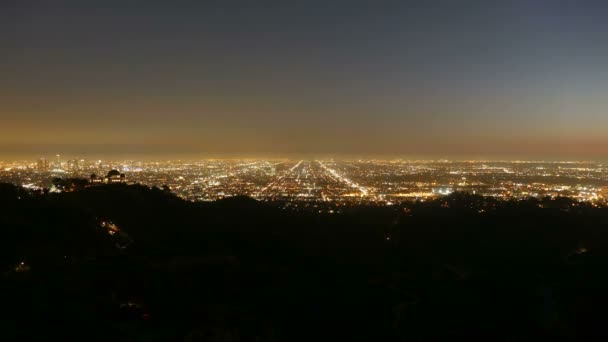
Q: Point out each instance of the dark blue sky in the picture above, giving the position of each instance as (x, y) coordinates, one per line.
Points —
(409, 78)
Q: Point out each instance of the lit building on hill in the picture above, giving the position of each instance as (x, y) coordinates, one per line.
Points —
(94, 179)
(113, 177)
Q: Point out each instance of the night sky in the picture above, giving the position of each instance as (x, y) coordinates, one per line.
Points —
(449, 79)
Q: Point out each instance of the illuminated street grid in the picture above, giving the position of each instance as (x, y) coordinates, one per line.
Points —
(349, 181)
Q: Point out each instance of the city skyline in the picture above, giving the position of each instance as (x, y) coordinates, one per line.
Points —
(491, 80)
(155, 158)
(328, 182)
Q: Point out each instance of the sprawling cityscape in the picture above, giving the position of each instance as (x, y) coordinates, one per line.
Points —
(311, 170)
(383, 182)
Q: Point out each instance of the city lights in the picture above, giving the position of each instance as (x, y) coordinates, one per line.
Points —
(345, 181)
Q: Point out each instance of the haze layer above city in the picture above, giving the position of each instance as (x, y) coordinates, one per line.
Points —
(407, 79)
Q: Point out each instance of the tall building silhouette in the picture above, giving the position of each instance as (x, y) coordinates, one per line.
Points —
(43, 165)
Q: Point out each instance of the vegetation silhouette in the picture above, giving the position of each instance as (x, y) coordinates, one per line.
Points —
(128, 262)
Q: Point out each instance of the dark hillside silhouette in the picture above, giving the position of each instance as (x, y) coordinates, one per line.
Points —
(126, 262)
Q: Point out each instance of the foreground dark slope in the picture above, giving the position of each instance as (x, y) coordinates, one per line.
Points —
(241, 270)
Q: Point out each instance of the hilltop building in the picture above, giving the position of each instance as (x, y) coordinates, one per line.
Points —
(113, 177)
